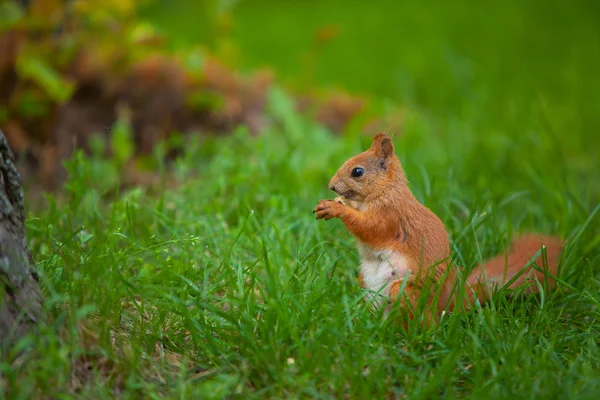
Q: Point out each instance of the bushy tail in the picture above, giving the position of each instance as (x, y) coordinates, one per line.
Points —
(497, 272)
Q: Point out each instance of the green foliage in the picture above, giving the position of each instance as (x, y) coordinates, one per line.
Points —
(32, 67)
(49, 36)
(227, 286)
(122, 144)
(105, 173)
(31, 103)
(10, 14)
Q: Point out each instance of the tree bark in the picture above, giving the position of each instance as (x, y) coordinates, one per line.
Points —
(20, 296)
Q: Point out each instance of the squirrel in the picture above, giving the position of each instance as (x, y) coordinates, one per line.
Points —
(400, 239)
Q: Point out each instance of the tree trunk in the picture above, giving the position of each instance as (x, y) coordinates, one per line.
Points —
(20, 297)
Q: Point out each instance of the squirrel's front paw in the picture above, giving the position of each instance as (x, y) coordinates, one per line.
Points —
(327, 209)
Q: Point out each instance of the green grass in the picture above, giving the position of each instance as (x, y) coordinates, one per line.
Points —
(227, 286)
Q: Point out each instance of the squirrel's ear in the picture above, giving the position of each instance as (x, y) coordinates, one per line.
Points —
(376, 140)
(383, 148)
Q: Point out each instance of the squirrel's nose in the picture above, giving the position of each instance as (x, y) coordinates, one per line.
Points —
(332, 187)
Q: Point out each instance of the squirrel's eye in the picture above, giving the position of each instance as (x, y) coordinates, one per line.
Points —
(357, 172)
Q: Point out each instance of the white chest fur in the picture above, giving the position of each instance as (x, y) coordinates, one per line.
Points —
(380, 268)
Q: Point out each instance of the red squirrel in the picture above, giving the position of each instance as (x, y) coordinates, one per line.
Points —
(397, 234)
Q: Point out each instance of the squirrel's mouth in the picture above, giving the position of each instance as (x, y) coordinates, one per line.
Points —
(349, 194)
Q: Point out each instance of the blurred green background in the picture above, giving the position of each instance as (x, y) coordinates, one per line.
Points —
(514, 65)
(523, 73)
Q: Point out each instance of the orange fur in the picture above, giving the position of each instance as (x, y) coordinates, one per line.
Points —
(388, 221)
(495, 273)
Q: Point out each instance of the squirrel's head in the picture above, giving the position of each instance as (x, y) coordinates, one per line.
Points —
(370, 173)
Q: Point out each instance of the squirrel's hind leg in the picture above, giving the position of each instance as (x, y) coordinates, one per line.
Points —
(409, 300)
